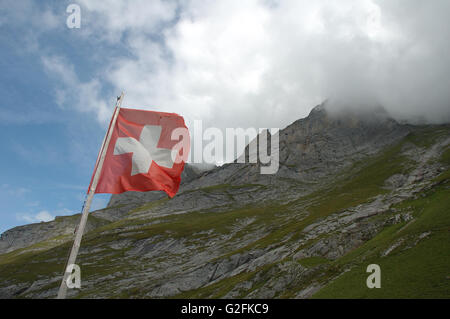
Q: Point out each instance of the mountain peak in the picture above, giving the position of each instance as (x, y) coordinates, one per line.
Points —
(318, 109)
(365, 112)
(333, 136)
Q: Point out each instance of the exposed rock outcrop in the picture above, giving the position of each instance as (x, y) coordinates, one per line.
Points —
(232, 232)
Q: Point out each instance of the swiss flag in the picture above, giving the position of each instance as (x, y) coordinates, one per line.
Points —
(147, 152)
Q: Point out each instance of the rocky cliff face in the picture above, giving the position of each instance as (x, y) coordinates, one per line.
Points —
(350, 190)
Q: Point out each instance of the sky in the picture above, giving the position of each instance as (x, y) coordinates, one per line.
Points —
(233, 63)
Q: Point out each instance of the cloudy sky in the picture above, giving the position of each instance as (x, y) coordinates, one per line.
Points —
(243, 63)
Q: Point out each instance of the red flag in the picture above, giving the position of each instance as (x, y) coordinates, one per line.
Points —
(147, 152)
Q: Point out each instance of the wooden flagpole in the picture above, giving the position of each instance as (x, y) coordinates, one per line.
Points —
(79, 233)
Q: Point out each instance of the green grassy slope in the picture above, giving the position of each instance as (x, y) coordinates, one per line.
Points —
(422, 271)
(428, 261)
(418, 270)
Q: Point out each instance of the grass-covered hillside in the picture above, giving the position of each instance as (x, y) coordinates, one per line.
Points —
(390, 209)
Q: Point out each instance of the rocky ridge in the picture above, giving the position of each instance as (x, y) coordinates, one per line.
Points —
(232, 232)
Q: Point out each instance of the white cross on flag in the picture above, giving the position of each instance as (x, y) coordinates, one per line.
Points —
(147, 151)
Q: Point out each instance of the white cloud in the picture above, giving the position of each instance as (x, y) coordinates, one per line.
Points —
(42, 216)
(84, 96)
(117, 16)
(28, 12)
(32, 19)
(266, 63)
